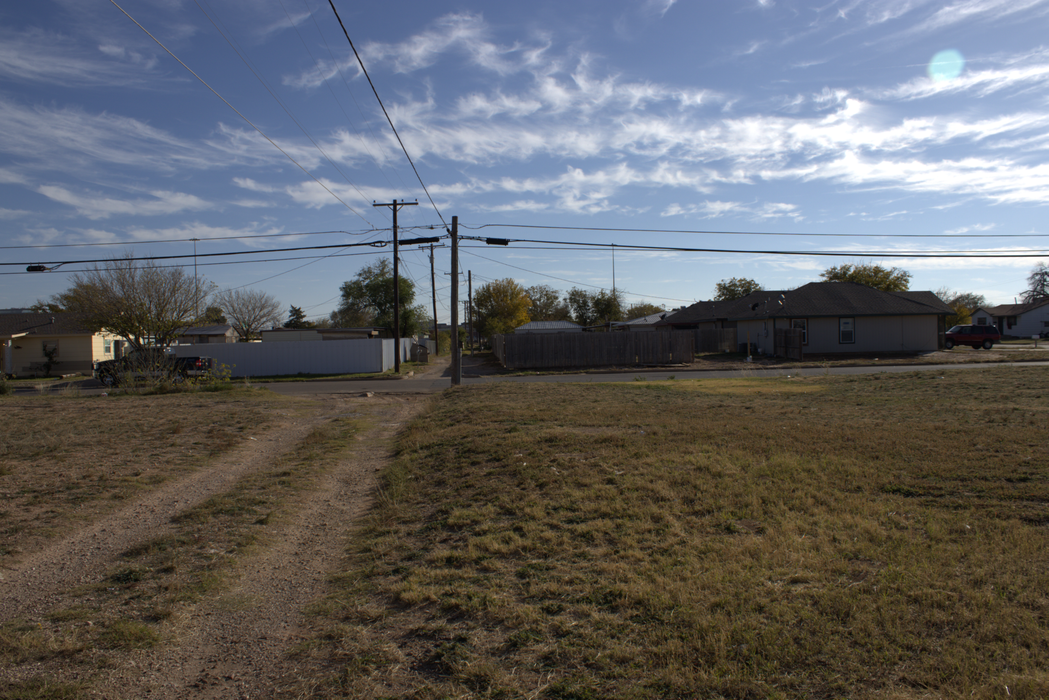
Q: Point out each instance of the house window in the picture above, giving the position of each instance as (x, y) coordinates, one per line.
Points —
(107, 346)
(1010, 322)
(846, 330)
(801, 324)
(50, 348)
(982, 321)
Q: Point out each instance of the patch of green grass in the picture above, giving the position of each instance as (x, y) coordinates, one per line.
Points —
(863, 537)
(128, 635)
(42, 688)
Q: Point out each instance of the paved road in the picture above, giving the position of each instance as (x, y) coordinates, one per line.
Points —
(435, 382)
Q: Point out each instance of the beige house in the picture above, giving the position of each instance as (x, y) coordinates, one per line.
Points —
(38, 344)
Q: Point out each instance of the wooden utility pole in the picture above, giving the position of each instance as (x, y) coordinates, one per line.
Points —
(396, 285)
(470, 308)
(433, 286)
(457, 364)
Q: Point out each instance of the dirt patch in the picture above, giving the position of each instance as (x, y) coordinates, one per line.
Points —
(232, 643)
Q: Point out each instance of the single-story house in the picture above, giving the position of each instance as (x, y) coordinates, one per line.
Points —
(1019, 320)
(834, 317)
(549, 327)
(35, 344)
(221, 333)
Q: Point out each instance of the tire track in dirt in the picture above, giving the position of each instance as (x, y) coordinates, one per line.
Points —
(37, 582)
(235, 646)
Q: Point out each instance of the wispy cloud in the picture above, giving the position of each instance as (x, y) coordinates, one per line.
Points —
(1022, 73)
(95, 206)
(36, 56)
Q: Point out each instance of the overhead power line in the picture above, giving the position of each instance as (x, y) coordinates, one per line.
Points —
(188, 240)
(403, 148)
(239, 114)
(477, 227)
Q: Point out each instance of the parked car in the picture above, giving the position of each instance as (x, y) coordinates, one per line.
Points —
(974, 336)
(151, 364)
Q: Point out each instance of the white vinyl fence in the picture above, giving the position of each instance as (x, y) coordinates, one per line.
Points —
(317, 357)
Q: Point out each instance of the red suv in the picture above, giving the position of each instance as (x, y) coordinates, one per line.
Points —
(976, 336)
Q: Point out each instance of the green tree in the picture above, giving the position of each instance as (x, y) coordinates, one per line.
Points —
(143, 303)
(735, 288)
(963, 303)
(212, 316)
(891, 279)
(642, 309)
(297, 318)
(593, 308)
(500, 307)
(1037, 284)
(547, 304)
(368, 300)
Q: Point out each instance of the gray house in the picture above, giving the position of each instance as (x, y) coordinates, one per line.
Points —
(1020, 320)
(549, 327)
(834, 317)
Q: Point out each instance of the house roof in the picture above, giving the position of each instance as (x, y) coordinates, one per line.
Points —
(649, 320)
(814, 300)
(1013, 309)
(548, 326)
(43, 324)
(219, 329)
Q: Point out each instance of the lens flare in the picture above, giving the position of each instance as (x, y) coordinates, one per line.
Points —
(946, 65)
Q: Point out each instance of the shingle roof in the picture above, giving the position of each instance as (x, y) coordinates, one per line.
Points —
(814, 300)
(220, 329)
(44, 324)
(1014, 309)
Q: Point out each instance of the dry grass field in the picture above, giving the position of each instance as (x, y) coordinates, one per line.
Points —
(836, 537)
(877, 536)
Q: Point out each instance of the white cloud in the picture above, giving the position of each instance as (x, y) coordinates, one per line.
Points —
(249, 184)
(36, 56)
(13, 213)
(94, 206)
(1027, 73)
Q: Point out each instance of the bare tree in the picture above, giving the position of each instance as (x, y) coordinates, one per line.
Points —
(145, 304)
(249, 311)
(1037, 284)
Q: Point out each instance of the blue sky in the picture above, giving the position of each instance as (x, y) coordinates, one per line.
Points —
(868, 129)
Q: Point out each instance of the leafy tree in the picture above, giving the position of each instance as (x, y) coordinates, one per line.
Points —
(592, 308)
(213, 316)
(367, 300)
(297, 318)
(886, 279)
(249, 311)
(500, 307)
(46, 307)
(735, 288)
(1037, 284)
(144, 304)
(547, 304)
(642, 309)
(963, 303)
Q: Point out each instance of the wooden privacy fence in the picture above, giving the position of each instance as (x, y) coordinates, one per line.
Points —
(789, 343)
(550, 350)
(716, 340)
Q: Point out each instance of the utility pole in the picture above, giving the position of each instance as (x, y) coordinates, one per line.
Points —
(470, 307)
(433, 287)
(457, 366)
(396, 285)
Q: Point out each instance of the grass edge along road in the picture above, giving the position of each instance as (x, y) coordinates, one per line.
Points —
(872, 536)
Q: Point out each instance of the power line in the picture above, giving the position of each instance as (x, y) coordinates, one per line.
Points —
(403, 148)
(374, 244)
(250, 123)
(189, 240)
(477, 227)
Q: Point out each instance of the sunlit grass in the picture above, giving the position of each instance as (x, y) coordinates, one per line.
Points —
(862, 537)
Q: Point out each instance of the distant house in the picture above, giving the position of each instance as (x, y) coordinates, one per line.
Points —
(284, 335)
(644, 323)
(549, 327)
(32, 341)
(834, 317)
(1019, 320)
(221, 333)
